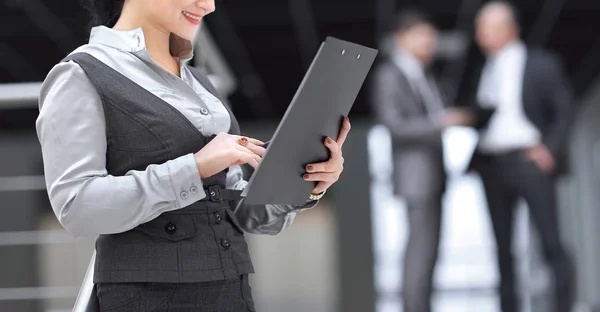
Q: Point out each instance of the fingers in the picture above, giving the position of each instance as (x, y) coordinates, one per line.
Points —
(322, 177)
(334, 147)
(544, 161)
(327, 173)
(321, 187)
(344, 132)
(334, 164)
(245, 155)
(250, 140)
(532, 152)
(247, 158)
(251, 161)
(547, 165)
(258, 150)
(255, 151)
(250, 154)
(255, 141)
(544, 166)
(328, 166)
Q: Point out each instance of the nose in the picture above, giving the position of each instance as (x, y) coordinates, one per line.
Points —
(207, 5)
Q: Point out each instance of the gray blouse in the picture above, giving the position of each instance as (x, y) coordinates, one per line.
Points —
(71, 130)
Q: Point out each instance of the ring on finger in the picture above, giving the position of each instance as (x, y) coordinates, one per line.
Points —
(243, 141)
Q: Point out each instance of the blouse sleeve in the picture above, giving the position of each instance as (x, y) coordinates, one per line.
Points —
(84, 197)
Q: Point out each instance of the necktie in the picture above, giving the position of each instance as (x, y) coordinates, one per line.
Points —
(430, 95)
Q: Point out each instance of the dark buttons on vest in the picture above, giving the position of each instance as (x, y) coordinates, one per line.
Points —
(170, 228)
(225, 243)
(215, 194)
(218, 218)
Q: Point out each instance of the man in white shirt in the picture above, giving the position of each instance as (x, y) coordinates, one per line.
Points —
(521, 147)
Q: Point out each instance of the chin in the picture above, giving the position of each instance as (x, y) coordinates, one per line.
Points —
(488, 49)
(188, 34)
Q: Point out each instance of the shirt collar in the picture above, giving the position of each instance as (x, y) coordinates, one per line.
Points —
(408, 63)
(133, 41)
(515, 46)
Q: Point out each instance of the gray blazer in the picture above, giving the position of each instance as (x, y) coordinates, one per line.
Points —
(416, 139)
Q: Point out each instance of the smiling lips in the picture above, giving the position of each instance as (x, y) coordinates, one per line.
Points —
(192, 18)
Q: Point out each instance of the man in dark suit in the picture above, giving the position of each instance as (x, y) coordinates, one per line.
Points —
(522, 145)
(407, 101)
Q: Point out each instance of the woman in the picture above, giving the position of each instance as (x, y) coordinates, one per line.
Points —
(140, 149)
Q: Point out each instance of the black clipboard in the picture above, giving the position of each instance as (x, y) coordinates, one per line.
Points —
(324, 97)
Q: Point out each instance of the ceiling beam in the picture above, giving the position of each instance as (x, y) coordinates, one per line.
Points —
(49, 24)
(305, 28)
(15, 63)
(547, 19)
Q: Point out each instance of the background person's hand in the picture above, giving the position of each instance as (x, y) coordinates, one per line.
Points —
(457, 117)
(542, 157)
(327, 173)
(225, 151)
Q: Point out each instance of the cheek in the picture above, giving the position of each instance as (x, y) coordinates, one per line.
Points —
(168, 9)
(431, 43)
(425, 45)
(479, 37)
(483, 36)
(164, 12)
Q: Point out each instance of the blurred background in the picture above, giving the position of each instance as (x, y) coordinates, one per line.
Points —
(346, 254)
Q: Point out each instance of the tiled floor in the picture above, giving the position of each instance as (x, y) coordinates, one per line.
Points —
(449, 302)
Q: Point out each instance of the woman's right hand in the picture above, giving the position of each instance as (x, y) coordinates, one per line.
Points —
(224, 151)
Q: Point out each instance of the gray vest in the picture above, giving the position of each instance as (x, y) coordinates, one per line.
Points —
(202, 242)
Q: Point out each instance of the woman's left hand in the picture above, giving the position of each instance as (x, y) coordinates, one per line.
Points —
(327, 173)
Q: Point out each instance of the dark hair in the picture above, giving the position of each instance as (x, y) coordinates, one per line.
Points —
(103, 12)
(407, 19)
